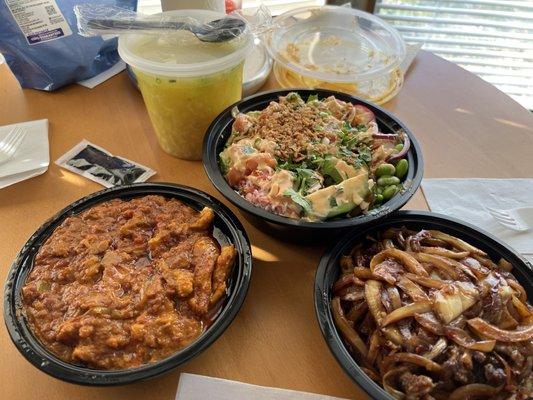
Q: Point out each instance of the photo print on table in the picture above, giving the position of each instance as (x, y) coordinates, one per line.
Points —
(95, 163)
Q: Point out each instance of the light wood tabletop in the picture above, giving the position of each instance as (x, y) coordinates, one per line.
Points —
(466, 127)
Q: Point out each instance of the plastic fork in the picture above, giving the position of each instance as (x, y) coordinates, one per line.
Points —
(518, 219)
(11, 143)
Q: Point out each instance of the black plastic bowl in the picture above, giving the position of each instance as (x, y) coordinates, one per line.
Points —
(227, 229)
(220, 129)
(328, 272)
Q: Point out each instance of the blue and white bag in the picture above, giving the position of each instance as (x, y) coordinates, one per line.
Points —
(41, 44)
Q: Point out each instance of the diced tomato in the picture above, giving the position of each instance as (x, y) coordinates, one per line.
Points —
(242, 123)
(260, 158)
(234, 176)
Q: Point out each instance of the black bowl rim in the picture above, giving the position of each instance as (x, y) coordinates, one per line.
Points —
(30, 347)
(211, 166)
(330, 260)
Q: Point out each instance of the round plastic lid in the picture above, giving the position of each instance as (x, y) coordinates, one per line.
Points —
(180, 53)
(337, 44)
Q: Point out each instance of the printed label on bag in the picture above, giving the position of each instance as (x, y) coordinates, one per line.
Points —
(39, 20)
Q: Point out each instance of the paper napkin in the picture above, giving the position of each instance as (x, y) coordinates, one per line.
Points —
(466, 199)
(198, 387)
(32, 157)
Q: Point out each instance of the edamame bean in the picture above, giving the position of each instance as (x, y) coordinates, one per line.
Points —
(399, 147)
(401, 168)
(379, 190)
(389, 191)
(385, 169)
(379, 198)
(388, 180)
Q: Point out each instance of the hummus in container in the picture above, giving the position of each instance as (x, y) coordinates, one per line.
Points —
(185, 82)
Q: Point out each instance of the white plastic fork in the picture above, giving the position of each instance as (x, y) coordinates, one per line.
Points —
(518, 219)
(11, 143)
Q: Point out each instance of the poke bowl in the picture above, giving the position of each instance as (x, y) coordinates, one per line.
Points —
(303, 161)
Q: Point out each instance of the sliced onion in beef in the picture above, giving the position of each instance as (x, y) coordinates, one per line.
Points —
(473, 391)
(506, 320)
(520, 307)
(407, 259)
(427, 282)
(457, 243)
(393, 334)
(505, 265)
(389, 380)
(346, 329)
(410, 358)
(437, 349)
(430, 322)
(462, 338)
(449, 304)
(483, 327)
(373, 346)
(431, 241)
(466, 270)
(373, 300)
(410, 288)
(519, 289)
(440, 263)
(394, 296)
(475, 266)
(441, 251)
(342, 283)
(364, 273)
(459, 322)
(407, 311)
(486, 262)
(357, 311)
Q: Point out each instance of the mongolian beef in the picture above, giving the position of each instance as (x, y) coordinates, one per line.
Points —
(314, 159)
(429, 316)
(126, 283)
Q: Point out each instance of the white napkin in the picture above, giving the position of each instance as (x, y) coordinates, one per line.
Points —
(32, 157)
(466, 199)
(103, 76)
(198, 387)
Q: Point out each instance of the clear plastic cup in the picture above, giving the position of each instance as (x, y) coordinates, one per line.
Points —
(185, 83)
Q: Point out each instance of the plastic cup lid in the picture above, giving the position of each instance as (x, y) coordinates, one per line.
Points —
(181, 53)
(337, 44)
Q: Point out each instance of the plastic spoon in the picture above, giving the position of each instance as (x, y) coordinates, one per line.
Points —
(219, 30)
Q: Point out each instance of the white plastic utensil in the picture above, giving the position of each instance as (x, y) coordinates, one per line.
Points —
(518, 219)
(11, 143)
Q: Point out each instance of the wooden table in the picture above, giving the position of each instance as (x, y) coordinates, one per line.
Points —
(466, 127)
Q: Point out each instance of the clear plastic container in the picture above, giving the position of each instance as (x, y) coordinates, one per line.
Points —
(185, 83)
(337, 48)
